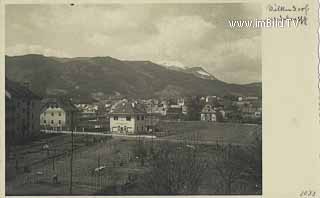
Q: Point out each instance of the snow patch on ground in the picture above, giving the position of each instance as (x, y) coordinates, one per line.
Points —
(172, 64)
(203, 73)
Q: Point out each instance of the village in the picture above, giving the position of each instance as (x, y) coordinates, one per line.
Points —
(121, 115)
(42, 133)
(133, 99)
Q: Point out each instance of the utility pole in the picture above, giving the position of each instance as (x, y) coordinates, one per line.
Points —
(151, 123)
(71, 157)
(99, 175)
(54, 159)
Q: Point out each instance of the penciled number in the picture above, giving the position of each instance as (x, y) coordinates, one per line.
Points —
(308, 193)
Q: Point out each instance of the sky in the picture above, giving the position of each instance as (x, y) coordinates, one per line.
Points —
(185, 35)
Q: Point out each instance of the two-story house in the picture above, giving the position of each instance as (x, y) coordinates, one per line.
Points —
(208, 114)
(128, 118)
(58, 113)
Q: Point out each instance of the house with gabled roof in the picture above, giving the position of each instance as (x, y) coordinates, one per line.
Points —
(128, 118)
(58, 113)
(208, 113)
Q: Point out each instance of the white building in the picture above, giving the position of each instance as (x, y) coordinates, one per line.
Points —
(57, 113)
(128, 118)
(208, 114)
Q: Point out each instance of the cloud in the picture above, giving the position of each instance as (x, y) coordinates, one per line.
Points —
(175, 36)
(249, 47)
(185, 34)
(99, 39)
(238, 61)
(21, 49)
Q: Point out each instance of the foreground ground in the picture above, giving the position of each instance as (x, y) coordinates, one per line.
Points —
(104, 165)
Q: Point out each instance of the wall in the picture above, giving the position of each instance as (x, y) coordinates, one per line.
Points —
(122, 122)
(22, 119)
(47, 115)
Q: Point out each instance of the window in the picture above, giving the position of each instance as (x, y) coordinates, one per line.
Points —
(44, 121)
(59, 113)
(51, 121)
(59, 121)
(52, 114)
(115, 117)
(138, 117)
(128, 118)
(142, 117)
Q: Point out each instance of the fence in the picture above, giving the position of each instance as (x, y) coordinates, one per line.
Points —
(95, 168)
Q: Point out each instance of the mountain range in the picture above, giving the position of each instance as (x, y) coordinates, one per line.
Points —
(104, 76)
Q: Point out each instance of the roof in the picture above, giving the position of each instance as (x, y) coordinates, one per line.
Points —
(172, 110)
(126, 107)
(16, 90)
(208, 109)
(64, 103)
(256, 104)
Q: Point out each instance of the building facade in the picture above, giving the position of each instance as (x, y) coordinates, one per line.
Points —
(22, 108)
(58, 113)
(208, 114)
(128, 118)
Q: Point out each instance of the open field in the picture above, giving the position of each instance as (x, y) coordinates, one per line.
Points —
(228, 133)
(119, 161)
(33, 153)
(108, 153)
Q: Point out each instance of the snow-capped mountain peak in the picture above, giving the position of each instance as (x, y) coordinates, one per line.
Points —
(201, 73)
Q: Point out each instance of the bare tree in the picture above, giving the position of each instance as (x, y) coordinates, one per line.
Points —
(238, 163)
(175, 169)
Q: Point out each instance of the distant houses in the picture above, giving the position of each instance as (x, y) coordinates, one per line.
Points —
(174, 113)
(22, 108)
(58, 113)
(252, 110)
(92, 117)
(141, 116)
(120, 116)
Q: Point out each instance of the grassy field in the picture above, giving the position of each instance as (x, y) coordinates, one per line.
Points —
(119, 161)
(232, 133)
